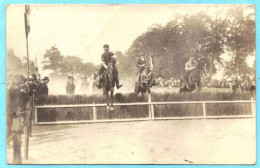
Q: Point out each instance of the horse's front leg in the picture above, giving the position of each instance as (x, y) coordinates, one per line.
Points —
(196, 85)
(105, 92)
(112, 99)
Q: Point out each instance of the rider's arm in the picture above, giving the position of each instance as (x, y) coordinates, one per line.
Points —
(103, 61)
(104, 64)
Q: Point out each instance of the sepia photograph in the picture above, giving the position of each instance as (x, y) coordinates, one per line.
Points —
(130, 84)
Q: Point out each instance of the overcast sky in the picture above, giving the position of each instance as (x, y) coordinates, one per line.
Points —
(81, 30)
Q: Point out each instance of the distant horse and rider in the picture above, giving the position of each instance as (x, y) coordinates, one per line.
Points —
(144, 79)
(191, 81)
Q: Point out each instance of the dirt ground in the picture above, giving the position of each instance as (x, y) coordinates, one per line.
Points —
(223, 141)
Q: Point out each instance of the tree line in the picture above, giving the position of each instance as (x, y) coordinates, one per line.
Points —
(199, 35)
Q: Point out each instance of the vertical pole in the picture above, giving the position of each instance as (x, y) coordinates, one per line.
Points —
(31, 115)
(204, 109)
(27, 130)
(149, 107)
(28, 109)
(35, 115)
(253, 107)
(94, 113)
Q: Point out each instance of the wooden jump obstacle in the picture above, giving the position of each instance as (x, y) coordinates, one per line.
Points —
(151, 105)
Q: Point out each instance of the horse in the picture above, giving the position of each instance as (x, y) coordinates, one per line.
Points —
(193, 81)
(144, 84)
(108, 85)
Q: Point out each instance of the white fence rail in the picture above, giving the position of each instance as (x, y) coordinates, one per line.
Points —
(151, 111)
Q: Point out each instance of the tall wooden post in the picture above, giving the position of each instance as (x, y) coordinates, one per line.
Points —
(28, 109)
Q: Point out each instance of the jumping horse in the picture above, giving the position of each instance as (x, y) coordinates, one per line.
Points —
(108, 85)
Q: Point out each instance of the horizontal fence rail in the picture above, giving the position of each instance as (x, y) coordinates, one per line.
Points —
(150, 110)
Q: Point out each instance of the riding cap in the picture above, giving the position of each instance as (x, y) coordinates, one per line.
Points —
(106, 46)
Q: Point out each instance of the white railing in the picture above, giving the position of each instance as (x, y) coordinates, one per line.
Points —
(151, 105)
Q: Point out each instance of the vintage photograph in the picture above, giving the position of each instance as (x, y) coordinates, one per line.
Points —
(130, 84)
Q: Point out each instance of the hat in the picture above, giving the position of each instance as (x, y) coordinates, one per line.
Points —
(70, 77)
(106, 46)
(191, 58)
(46, 78)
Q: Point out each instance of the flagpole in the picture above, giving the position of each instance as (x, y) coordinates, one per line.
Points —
(27, 48)
(28, 111)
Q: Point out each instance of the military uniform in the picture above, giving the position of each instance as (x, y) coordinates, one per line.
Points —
(105, 58)
(33, 89)
(11, 106)
(23, 98)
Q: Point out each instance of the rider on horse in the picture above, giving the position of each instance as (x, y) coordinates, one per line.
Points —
(189, 66)
(145, 71)
(107, 58)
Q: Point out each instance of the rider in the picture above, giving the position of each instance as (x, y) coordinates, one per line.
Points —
(189, 66)
(141, 62)
(143, 70)
(106, 58)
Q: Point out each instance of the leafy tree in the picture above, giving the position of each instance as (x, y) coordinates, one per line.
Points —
(53, 60)
(241, 38)
(71, 65)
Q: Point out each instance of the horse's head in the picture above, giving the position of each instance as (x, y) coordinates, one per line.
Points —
(109, 71)
(146, 76)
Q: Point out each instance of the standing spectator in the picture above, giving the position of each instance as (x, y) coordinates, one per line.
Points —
(43, 87)
(70, 86)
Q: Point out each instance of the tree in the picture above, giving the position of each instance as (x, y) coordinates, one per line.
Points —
(71, 65)
(241, 38)
(53, 59)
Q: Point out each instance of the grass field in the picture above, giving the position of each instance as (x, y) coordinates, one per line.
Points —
(173, 110)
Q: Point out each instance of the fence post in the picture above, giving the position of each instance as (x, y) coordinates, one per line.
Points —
(94, 113)
(204, 109)
(150, 107)
(253, 107)
(35, 115)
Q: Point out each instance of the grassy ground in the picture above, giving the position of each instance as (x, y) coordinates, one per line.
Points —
(85, 113)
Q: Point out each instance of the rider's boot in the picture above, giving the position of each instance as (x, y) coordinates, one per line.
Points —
(99, 81)
(118, 85)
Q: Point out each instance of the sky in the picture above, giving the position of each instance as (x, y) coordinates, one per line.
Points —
(82, 30)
